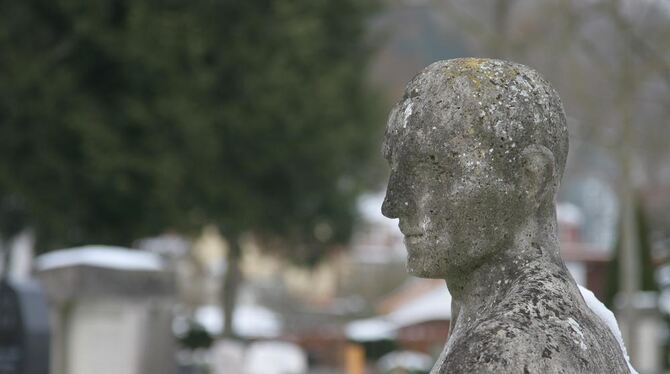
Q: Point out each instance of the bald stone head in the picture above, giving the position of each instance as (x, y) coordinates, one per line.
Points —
(477, 148)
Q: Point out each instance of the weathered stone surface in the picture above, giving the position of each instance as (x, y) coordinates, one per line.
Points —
(477, 148)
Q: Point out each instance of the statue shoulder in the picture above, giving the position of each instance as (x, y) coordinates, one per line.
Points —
(509, 346)
(494, 346)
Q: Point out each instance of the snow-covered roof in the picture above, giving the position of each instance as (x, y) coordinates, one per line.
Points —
(101, 256)
(370, 329)
(432, 306)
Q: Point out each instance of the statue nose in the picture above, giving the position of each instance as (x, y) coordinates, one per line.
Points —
(391, 205)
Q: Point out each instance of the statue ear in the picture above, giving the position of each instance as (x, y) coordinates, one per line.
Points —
(539, 173)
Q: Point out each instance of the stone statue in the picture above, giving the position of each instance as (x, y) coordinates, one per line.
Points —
(477, 148)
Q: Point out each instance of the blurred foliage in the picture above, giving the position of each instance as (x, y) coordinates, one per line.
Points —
(374, 350)
(121, 119)
(196, 337)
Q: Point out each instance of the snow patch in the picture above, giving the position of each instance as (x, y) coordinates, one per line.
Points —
(274, 357)
(250, 321)
(608, 318)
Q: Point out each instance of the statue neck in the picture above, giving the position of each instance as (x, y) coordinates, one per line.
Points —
(535, 248)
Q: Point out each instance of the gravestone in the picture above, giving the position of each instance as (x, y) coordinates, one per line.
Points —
(112, 311)
(477, 148)
(24, 329)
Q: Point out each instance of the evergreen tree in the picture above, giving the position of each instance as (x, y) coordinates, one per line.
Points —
(120, 119)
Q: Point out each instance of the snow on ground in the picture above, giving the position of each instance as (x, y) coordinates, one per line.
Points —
(274, 357)
(101, 256)
(250, 320)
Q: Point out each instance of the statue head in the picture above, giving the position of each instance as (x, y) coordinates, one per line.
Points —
(477, 148)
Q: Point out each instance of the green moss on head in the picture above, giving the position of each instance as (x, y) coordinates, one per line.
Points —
(482, 73)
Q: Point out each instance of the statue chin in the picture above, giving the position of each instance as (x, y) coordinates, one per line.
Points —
(421, 268)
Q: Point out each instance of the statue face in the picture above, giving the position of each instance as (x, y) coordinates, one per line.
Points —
(460, 144)
(454, 209)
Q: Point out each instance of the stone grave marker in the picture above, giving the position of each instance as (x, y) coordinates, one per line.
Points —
(112, 311)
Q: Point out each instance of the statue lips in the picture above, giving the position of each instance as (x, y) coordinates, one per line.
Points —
(411, 236)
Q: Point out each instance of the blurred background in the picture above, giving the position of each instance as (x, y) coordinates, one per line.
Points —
(196, 185)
